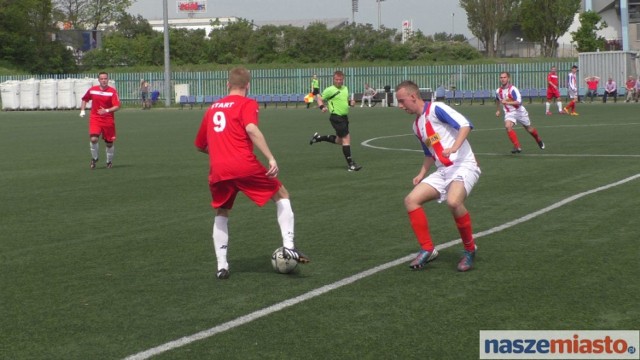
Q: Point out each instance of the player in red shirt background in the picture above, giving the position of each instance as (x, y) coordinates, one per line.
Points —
(553, 91)
(104, 102)
(228, 133)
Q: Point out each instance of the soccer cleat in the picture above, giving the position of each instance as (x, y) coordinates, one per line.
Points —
(296, 255)
(222, 274)
(109, 165)
(466, 263)
(354, 167)
(574, 114)
(314, 139)
(516, 150)
(548, 113)
(92, 164)
(566, 111)
(541, 145)
(423, 258)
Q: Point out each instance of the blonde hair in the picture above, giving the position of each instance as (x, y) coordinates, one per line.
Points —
(239, 78)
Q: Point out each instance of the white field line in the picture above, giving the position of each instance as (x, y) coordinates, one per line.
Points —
(351, 279)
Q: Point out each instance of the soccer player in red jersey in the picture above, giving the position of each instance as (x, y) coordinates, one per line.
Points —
(228, 133)
(553, 91)
(104, 102)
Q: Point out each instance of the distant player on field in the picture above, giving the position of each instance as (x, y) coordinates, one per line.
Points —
(553, 91)
(509, 99)
(228, 133)
(104, 102)
(572, 86)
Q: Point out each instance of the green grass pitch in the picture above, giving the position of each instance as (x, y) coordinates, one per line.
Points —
(105, 264)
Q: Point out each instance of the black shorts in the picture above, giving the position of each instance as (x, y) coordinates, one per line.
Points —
(316, 91)
(340, 124)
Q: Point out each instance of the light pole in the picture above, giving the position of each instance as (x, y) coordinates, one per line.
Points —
(452, 23)
(354, 10)
(379, 13)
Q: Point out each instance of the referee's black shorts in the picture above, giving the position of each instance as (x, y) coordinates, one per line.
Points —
(340, 124)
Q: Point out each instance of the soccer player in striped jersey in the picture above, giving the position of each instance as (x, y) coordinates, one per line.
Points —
(572, 86)
(442, 132)
(508, 97)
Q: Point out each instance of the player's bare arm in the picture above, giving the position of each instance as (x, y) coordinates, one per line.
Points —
(260, 142)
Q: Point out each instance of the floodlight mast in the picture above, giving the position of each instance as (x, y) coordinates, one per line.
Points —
(167, 65)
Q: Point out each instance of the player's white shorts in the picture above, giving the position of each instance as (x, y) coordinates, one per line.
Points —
(572, 93)
(520, 116)
(443, 176)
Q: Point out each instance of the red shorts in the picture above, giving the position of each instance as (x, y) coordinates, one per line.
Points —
(259, 188)
(108, 131)
(553, 93)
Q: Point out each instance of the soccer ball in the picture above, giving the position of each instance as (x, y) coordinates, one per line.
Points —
(282, 261)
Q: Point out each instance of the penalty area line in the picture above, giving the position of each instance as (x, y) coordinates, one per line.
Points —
(351, 279)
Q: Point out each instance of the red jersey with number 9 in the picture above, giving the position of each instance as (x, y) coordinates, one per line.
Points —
(223, 133)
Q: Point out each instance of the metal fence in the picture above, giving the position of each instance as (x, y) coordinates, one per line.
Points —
(298, 81)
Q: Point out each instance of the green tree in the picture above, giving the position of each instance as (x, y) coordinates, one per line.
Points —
(545, 21)
(586, 37)
(490, 20)
(26, 29)
(89, 14)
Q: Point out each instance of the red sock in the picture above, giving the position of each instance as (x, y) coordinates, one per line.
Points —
(514, 138)
(420, 227)
(466, 234)
(572, 105)
(534, 133)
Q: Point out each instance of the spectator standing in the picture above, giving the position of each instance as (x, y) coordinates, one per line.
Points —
(610, 89)
(144, 94)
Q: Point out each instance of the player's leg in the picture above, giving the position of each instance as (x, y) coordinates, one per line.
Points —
(286, 222)
(413, 202)
(109, 136)
(465, 178)
(509, 122)
(94, 147)
(223, 196)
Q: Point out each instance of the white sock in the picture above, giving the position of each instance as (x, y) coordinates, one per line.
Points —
(286, 222)
(559, 105)
(110, 151)
(94, 149)
(547, 105)
(221, 240)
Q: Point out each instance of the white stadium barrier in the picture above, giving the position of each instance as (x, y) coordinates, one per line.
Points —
(10, 95)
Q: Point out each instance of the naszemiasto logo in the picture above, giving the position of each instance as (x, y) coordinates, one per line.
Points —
(565, 344)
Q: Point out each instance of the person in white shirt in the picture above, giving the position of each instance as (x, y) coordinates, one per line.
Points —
(442, 132)
(572, 86)
(368, 94)
(610, 89)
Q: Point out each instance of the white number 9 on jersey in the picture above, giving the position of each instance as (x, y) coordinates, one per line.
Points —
(219, 121)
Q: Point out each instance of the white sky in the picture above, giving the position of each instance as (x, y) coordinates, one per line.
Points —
(429, 16)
